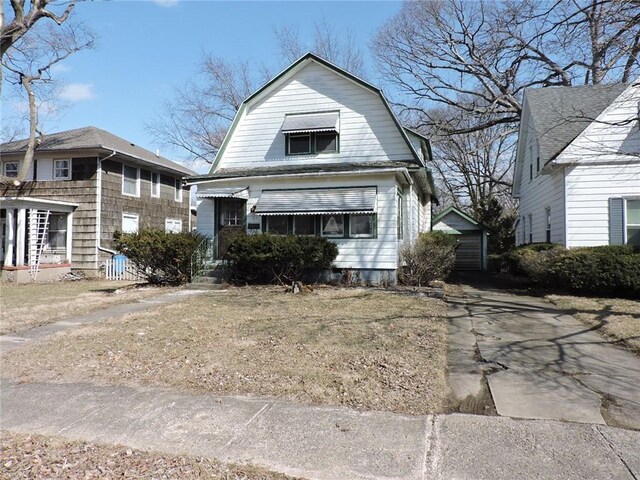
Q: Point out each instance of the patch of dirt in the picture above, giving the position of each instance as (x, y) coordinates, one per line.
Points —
(42, 457)
(363, 348)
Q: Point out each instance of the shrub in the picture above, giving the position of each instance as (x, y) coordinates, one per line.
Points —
(430, 258)
(531, 260)
(160, 257)
(604, 270)
(265, 258)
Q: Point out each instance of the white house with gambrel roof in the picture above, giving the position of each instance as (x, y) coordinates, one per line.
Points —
(577, 170)
(318, 151)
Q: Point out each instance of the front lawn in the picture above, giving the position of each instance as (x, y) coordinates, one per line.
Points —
(27, 306)
(364, 348)
(616, 319)
(43, 457)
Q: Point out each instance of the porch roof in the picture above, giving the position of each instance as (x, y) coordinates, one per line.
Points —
(34, 202)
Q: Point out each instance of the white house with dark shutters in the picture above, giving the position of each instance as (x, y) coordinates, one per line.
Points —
(318, 151)
(578, 166)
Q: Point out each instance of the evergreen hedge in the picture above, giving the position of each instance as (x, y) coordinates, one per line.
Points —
(266, 258)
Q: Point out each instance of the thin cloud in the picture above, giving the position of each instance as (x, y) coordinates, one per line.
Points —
(60, 68)
(165, 3)
(77, 92)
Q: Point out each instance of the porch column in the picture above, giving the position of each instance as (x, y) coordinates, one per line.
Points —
(9, 239)
(69, 245)
(21, 235)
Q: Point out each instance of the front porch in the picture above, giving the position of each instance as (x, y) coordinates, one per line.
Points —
(36, 238)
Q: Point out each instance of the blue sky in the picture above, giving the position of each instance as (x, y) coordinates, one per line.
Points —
(146, 48)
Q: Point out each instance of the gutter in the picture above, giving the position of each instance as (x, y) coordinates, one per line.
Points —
(99, 208)
(402, 170)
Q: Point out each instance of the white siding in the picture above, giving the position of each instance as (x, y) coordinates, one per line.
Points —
(356, 253)
(367, 130)
(589, 188)
(544, 191)
(454, 222)
(425, 217)
(613, 137)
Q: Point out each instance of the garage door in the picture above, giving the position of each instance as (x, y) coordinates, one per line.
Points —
(469, 252)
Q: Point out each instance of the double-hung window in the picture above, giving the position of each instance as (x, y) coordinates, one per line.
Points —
(10, 169)
(130, 181)
(633, 222)
(62, 169)
(304, 225)
(547, 215)
(57, 235)
(332, 225)
(155, 184)
(400, 216)
(362, 226)
(277, 224)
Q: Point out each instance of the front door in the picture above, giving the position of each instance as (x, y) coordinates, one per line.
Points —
(231, 215)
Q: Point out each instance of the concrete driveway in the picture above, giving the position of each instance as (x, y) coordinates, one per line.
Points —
(533, 361)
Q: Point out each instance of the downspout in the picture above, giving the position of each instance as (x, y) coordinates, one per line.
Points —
(99, 209)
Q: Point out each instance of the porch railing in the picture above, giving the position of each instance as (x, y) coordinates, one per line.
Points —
(203, 257)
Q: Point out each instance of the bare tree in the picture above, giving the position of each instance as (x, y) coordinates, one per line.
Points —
(29, 50)
(478, 57)
(338, 47)
(198, 116)
(195, 121)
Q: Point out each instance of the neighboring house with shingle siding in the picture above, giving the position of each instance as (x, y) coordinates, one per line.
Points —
(577, 172)
(317, 151)
(84, 185)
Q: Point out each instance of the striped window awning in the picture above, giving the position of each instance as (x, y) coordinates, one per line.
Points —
(224, 192)
(311, 122)
(317, 201)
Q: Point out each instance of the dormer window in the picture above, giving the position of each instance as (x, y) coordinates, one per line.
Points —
(311, 133)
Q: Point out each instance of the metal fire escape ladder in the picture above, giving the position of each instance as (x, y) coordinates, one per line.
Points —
(38, 236)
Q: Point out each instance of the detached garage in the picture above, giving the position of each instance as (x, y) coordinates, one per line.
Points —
(471, 253)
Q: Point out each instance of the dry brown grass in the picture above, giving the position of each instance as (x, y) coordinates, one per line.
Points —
(357, 347)
(43, 457)
(27, 306)
(616, 319)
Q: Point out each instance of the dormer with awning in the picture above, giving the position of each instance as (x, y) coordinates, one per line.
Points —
(311, 133)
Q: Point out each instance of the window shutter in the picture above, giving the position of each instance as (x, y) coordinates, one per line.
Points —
(616, 221)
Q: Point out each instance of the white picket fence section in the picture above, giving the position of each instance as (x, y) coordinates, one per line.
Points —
(120, 269)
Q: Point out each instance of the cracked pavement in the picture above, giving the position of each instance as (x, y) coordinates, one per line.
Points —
(538, 362)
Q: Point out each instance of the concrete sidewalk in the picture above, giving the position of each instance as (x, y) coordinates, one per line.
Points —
(539, 362)
(321, 442)
(23, 338)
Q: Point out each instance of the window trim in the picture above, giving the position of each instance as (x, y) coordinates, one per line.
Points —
(530, 228)
(137, 169)
(177, 185)
(176, 221)
(400, 216)
(131, 215)
(4, 169)
(55, 160)
(155, 184)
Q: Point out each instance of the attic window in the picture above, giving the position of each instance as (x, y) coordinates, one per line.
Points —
(311, 133)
